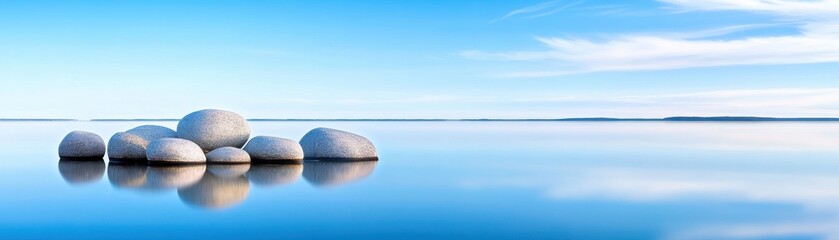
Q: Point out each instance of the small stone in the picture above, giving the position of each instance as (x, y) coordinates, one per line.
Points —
(216, 192)
(79, 172)
(274, 174)
(168, 177)
(174, 151)
(127, 146)
(212, 129)
(153, 132)
(266, 148)
(326, 173)
(81, 144)
(228, 155)
(327, 143)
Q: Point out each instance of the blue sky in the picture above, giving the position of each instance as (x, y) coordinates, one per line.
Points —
(419, 59)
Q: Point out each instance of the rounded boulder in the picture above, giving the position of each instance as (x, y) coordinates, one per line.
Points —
(264, 148)
(81, 144)
(153, 132)
(328, 143)
(212, 129)
(174, 151)
(127, 146)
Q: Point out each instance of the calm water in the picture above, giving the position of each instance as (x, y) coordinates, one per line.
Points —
(453, 180)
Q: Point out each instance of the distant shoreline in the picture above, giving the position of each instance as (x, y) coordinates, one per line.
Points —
(667, 119)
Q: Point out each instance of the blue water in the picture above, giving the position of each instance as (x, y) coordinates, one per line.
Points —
(445, 180)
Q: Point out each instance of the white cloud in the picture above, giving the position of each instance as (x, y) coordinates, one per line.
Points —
(538, 10)
(817, 23)
(778, 102)
(798, 8)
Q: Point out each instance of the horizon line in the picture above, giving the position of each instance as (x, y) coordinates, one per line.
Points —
(578, 119)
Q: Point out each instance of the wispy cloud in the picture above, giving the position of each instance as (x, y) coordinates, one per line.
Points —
(817, 23)
(538, 10)
(771, 102)
(789, 102)
(812, 9)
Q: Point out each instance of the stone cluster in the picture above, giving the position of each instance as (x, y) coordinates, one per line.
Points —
(214, 136)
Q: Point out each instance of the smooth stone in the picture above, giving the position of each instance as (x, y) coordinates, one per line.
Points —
(153, 132)
(80, 172)
(127, 146)
(174, 151)
(326, 143)
(81, 144)
(216, 192)
(326, 173)
(266, 148)
(212, 129)
(274, 174)
(127, 175)
(228, 155)
(228, 170)
(168, 177)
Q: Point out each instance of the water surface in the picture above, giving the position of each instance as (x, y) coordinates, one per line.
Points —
(452, 180)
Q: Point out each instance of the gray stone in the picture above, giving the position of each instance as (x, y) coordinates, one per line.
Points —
(81, 144)
(228, 155)
(168, 177)
(174, 151)
(79, 172)
(274, 174)
(328, 173)
(325, 143)
(127, 146)
(228, 170)
(212, 129)
(132, 144)
(153, 132)
(216, 192)
(274, 149)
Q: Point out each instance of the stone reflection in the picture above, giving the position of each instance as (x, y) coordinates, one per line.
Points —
(274, 174)
(214, 186)
(166, 177)
(81, 171)
(127, 175)
(332, 173)
(216, 192)
(228, 170)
